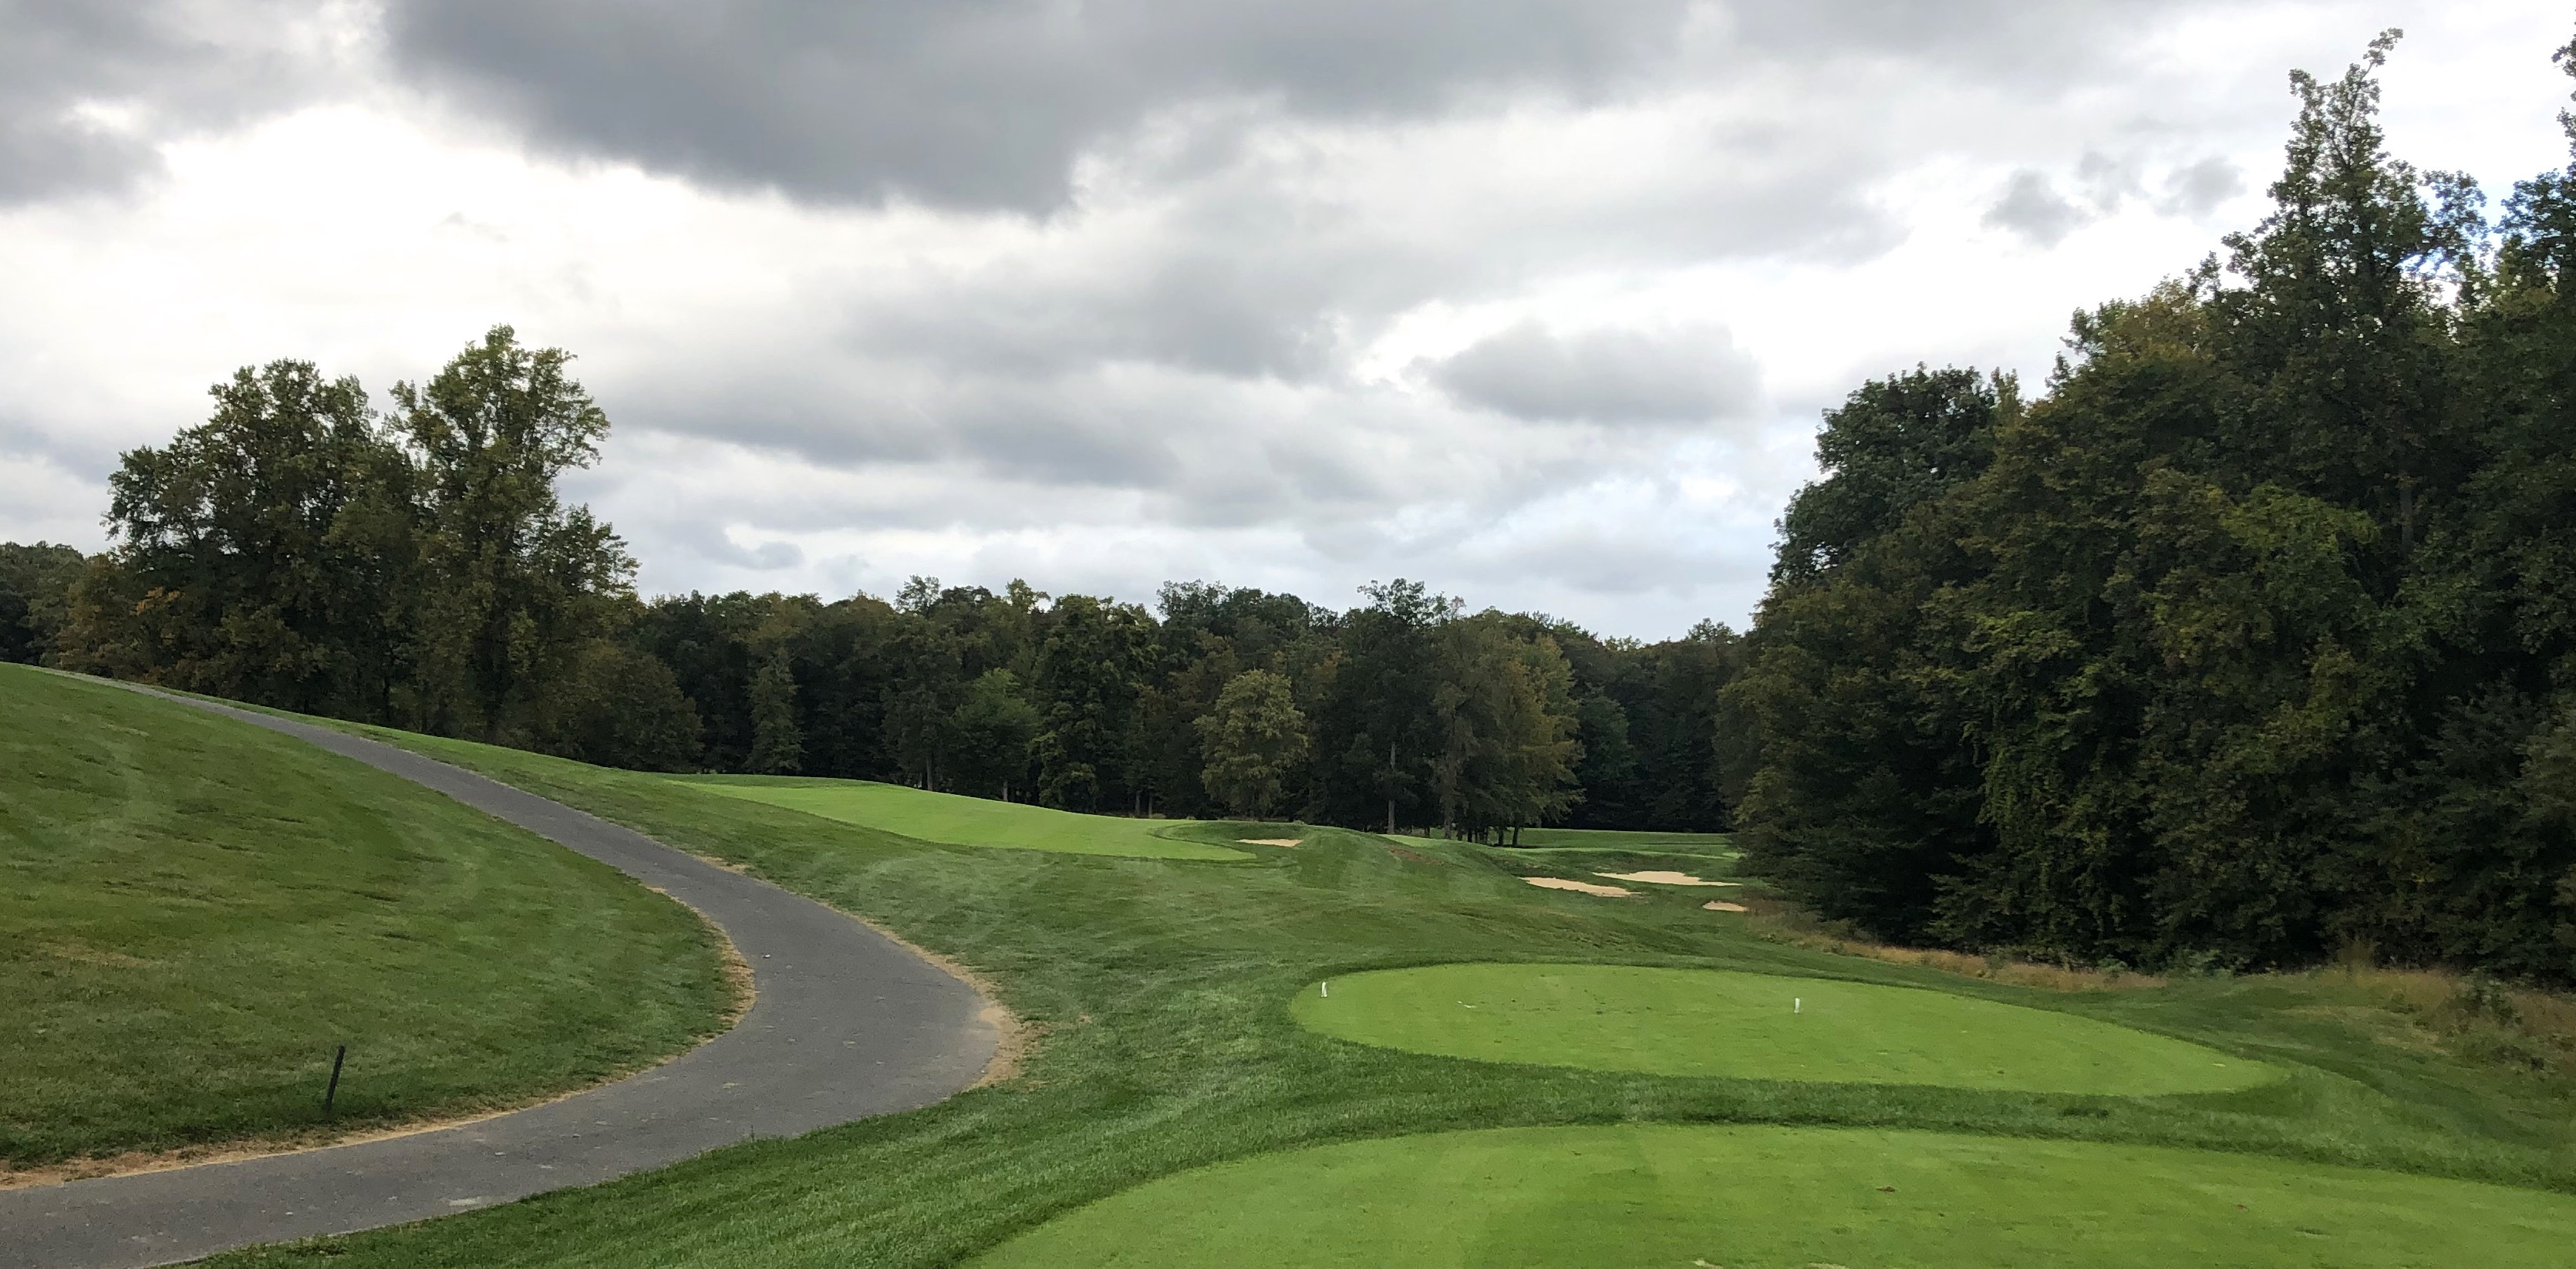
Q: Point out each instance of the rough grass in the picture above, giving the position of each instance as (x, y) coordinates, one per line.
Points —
(1713, 1022)
(195, 912)
(964, 821)
(1163, 989)
(1791, 1198)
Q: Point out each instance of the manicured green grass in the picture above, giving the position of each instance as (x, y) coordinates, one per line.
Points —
(1622, 839)
(964, 821)
(1163, 989)
(1792, 1198)
(1698, 1022)
(194, 912)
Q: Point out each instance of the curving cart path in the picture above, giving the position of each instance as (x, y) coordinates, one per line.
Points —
(847, 1023)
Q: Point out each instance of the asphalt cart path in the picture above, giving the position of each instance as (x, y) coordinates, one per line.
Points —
(846, 1023)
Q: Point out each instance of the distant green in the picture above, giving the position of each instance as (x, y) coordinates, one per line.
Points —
(964, 821)
(1623, 839)
(1709, 1022)
(194, 912)
(1667, 1196)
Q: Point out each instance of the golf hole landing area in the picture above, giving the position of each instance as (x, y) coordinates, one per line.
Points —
(963, 821)
(1701, 1022)
(1670, 1196)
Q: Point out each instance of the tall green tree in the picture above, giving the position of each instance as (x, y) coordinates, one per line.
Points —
(777, 743)
(35, 596)
(264, 554)
(994, 725)
(1090, 667)
(1379, 719)
(519, 581)
(1505, 718)
(1255, 736)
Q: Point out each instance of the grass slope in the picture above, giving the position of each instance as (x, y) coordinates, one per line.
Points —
(964, 821)
(1793, 1198)
(194, 912)
(1757, 1026)
(1162, 991)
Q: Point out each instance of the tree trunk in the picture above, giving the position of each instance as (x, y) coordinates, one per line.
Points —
(1390, 788)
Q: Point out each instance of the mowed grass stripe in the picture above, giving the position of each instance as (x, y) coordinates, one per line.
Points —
(1792, 1198)
(197, 912)
(1694, 1022)
(963, 821)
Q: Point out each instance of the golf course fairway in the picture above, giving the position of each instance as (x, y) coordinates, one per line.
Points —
(1651, 1195)
(1755, 1026)
(963, 821)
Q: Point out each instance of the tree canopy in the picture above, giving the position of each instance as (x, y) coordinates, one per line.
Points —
(2245, 642)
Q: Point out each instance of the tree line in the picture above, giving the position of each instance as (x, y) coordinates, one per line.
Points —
(2250, 639)
(416, 567)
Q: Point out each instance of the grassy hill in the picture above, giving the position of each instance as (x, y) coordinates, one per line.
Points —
(1162, 992)
(194, 913)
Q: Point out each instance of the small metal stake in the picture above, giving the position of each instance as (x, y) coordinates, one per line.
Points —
(332, 1093)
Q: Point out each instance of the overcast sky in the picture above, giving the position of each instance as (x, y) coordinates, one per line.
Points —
(1534, 300)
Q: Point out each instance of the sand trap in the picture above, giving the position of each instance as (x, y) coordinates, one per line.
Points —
(1665, 878)
(1586, 887)
(1270, 841)
(1721, 905)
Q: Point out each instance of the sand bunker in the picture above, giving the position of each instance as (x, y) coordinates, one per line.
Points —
(1586, 887)
(1720, 905)
(1270, 841)
(1665, 878)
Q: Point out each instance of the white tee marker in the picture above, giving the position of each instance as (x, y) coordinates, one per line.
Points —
(1324, 989)
(1797, 1005)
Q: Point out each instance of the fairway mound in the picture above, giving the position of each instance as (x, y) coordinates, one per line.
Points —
(1665, 879)
(1270, 841)
(1704, 1022)
(1721, 905)
(1780, 1198)
(1581, 887)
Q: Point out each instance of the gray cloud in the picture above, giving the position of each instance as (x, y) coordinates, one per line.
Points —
(88, 88)
(2197, 189)
(978, 104)
(988, 105)
(2031, 206)
(1603, 376)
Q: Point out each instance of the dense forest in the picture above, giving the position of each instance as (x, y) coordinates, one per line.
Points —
(2250, 639)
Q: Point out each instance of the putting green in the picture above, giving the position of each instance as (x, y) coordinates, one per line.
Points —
(965, 821)
(1756, 1026)
(1668, 1196)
